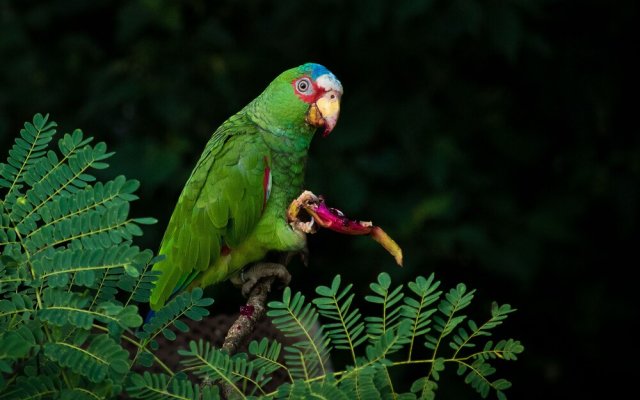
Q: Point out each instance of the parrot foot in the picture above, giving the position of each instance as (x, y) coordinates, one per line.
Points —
(303, 222)
(250, 276)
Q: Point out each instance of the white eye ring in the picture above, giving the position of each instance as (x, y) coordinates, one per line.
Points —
(304, 85)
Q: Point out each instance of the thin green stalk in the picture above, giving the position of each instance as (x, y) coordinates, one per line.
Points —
(140, 348)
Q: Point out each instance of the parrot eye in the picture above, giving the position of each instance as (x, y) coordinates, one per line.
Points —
(303, 85)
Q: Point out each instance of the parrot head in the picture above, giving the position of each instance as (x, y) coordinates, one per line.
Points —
(308, 95)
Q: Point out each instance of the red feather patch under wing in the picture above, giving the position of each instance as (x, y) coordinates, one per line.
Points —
(266, 183)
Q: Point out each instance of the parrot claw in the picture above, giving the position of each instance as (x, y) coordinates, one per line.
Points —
(250, 276)
(304, 201)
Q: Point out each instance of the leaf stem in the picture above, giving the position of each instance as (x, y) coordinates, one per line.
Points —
(140, 347)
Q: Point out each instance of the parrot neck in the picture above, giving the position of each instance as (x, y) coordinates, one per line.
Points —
(279, 135)
(289, 143)
(288, 175)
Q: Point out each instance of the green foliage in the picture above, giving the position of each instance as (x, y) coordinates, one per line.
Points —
(102, 357)
(70, 276)
(393, 334)
(71, 281)
(309, 355)
(335, 304)
(389, 299)
(189, 304)
(158, 386)
(217, 365)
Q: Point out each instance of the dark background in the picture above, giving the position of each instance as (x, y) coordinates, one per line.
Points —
(495, 140)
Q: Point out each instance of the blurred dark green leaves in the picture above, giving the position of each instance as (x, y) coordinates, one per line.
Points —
(487, 137)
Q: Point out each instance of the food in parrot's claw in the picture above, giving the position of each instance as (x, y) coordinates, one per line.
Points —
(334, 219)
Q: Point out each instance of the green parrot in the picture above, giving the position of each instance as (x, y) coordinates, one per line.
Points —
(232, 210)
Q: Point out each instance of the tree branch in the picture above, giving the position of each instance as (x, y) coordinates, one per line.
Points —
(250, 313)
(256, 284)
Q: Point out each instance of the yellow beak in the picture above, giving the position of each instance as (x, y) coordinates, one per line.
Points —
(325, 111)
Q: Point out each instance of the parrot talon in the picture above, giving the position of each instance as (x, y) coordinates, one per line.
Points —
(304, 223)
(249, 277)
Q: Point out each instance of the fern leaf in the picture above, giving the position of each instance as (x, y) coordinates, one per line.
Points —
(425, 388)
(388, 333)
(47, 178)
(68, 210)
(455, 300)
(416, 310)
(17, 308)
(391, 309)
(359, 382)
(94, 229)
(389, 342)
(384, 383)
(463, 339)
(28, 148)
(65, 250)
(10, 277)
(327, 390)
(7, 233)
(32, 388)
(292, 391)
(105, 285)
(315, 390)
(217, 365)
(79, 394)
(189, 304)
(294, 318)
(48, 165)
(102, 358)
(266, 355)
(76, 387)
(504, 349)
(62, 308)
(16, 344)
(161, 387)
(335, 304)
(56, 267)
(140, 287)
(478, 377)
(64, 179)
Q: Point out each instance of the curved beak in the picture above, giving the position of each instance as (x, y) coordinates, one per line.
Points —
(326, 109)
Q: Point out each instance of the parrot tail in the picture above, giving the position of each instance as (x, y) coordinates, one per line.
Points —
(150, 315)
(182, 285)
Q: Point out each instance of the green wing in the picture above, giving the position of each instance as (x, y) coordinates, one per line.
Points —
(219, 206)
